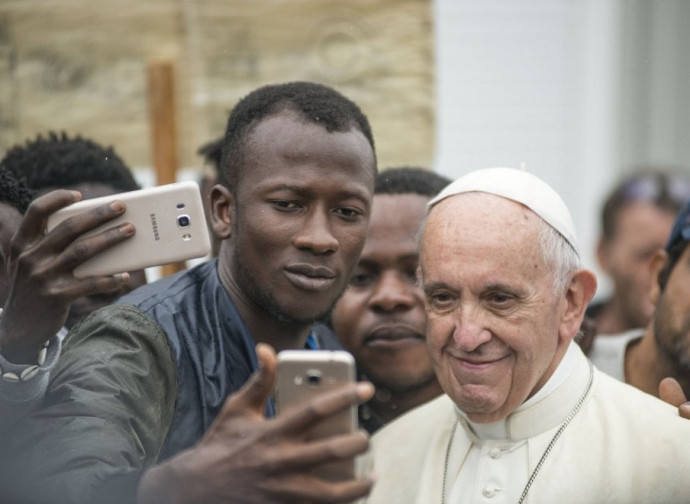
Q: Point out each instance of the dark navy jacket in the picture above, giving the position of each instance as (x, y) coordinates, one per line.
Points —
(211, 346)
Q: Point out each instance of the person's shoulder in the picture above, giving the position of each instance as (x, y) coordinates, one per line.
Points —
(638, 406)
(170, 287)
(118, 323)
(607, 352)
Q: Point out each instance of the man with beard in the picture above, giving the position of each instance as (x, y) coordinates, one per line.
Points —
(662, 349)
(380, 317)
(162, 397)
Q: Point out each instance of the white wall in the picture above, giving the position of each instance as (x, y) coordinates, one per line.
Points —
(533, 82)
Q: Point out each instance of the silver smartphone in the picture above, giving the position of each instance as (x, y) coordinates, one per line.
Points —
(170, 227)
(303, 374)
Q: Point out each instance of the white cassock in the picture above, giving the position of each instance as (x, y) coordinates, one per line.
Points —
(621, 446)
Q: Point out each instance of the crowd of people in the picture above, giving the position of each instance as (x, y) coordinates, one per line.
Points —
(463, 303)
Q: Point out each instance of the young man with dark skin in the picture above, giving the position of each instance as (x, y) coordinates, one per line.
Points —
(37, 286)
(58, 161)
(380, 317)
(176, 412)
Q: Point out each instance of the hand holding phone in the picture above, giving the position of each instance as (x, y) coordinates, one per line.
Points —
(170, 227)
(243, 454)
(304, 374)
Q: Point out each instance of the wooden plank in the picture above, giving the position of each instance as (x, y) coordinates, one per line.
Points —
(162, 113)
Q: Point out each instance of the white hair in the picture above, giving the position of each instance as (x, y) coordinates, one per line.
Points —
(558, 255)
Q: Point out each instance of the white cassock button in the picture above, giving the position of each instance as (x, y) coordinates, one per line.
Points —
(495, 453)
(489, 492)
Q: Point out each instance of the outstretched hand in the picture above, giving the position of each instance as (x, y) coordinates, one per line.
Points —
(245, 458)
(671, 392)
(39, 271)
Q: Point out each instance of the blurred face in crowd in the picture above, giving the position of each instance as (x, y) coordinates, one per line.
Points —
(10, 218)
(380, 317)
(496, 327)
(297, 220)
(642, 229)
(672, 316)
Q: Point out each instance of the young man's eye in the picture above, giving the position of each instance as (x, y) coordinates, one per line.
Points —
(285, 204)
(348, 213)
(361, 279)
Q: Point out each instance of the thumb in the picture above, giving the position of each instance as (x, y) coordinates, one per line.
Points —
(671, 392)
(256, 391)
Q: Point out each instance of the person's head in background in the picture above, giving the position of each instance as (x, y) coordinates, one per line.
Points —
(636, 220)
(58, 161)
(380, 317)
(212, 153)
(15, 197)
(670, 325)
(292, 204)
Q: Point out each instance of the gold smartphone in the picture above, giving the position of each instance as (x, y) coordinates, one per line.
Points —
(304, 374)
(170, 227)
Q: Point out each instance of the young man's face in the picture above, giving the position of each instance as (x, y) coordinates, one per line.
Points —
(672, 316)
(299, 219)
(493, 318)
(380, 317)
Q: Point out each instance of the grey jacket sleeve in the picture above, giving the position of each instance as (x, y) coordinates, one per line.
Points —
(18, 398)
(105, 415)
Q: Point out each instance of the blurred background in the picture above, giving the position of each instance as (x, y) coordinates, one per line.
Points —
(580, 92)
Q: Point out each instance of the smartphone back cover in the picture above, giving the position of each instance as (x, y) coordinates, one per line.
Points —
(159, 238)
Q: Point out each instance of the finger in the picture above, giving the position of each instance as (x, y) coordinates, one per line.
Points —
(323, 406)
(671, 392)
(78, 225)
(315, 490)
(684, 410)
(34, 222)
(78, 252)
(90, 286)
(315, 453)
(256, 391)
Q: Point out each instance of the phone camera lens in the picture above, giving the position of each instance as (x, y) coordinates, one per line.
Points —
(313, 377)
(183, 221)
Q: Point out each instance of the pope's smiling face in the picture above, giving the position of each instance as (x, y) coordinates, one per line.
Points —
(494, 321)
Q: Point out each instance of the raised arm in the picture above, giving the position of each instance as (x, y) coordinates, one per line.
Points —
(246, 458)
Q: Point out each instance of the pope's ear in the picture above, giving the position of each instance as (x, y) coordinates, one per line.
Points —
(222, 211)
(655, 266)
(583, 285)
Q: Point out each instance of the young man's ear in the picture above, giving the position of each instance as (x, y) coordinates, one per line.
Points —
(583, 285)
(656, 264)
(222, 211)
